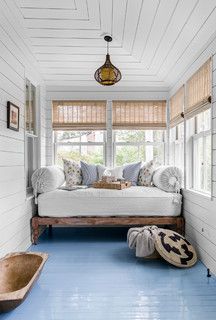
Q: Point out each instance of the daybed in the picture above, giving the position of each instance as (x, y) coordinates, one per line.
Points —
(133, 206)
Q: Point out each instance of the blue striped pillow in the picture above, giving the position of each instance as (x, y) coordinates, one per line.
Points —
(89, 173)
(131, 172)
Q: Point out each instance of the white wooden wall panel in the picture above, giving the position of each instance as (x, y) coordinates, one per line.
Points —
(16, 62)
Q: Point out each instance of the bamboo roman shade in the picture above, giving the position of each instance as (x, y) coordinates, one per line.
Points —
(198, 87)
(139, 114)
(79, 115)
(177, 107)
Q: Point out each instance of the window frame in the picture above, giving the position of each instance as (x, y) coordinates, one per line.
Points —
(137, 144)
(195, 137)
(33, 137)
(80, 144)
(173, 144)
(192, 135)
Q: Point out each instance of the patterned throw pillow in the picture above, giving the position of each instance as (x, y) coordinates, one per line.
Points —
(89, 173)
(73, 174)
(131, 172)
(146, 174)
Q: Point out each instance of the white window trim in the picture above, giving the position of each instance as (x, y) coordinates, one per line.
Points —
(35, 137)
(194, 138)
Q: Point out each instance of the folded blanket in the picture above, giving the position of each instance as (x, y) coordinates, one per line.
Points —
(143, 240)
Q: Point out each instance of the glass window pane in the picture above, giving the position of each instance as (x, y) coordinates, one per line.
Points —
(207, 164)
(173, 134)
(129, 135)
(74, 145)
(158, 154)
(204, 121)
(181, 131)
(207, 119)
(27, 107)
(158, 135)
(33, 107)
(149, 136)
(128, 154)
(198, 170)
(92, 136)
(67, 152)
(68, 136)
(80, 136)
(179, 155)
(92, 154)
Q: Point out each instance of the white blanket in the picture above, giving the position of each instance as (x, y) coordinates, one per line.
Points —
(143, 240)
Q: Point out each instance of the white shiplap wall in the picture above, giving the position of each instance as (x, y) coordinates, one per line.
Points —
(16, 63)
(200, 211)
(94, 93)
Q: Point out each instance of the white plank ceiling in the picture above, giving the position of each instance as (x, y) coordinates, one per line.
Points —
(154, 40)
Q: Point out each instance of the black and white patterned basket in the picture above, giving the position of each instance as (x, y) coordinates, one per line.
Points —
(175, 249)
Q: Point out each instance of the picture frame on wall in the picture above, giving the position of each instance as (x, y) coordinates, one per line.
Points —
(12, 116)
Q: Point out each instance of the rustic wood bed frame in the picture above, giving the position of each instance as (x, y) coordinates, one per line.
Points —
(177, 223)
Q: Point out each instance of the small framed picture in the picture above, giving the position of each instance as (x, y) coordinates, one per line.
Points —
(12, 116)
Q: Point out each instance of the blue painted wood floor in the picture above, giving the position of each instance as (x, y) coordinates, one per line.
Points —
(92, 275)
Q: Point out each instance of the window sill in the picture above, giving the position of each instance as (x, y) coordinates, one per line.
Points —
(198, 193)
(31, 135)
(29, 196)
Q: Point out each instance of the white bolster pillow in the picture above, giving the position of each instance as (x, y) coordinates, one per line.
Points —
(168, 178)
(47, 179)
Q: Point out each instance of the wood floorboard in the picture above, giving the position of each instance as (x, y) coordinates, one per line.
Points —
(91, 274)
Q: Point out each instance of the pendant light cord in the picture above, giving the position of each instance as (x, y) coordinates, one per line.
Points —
(107, 47)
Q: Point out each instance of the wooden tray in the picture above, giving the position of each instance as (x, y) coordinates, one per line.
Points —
(118, 185)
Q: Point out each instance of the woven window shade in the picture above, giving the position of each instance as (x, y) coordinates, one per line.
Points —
(177, 107)
(79, 115)
(198, 95)
(139, 114)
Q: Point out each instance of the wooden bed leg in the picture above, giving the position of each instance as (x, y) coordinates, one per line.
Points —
(50, 229)
(35, 230)
(180, 225)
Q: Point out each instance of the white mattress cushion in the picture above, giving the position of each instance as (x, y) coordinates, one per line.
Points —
(143, 201)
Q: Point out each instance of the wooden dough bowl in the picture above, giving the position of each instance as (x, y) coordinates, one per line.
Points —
(18, 272)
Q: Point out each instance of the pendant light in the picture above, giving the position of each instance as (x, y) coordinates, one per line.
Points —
(107, 74)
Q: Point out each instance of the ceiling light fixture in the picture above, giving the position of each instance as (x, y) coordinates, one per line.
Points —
(107, 74)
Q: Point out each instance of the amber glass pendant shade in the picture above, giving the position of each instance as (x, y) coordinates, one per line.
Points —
(107, 74)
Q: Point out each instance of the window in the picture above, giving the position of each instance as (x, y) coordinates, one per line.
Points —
(31, 139)
(138, 145)
(80, 145)
(198, 124)
(177, 146)
(31, 160)
(177, 129)
(199, 129)
(30, 115)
